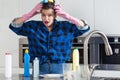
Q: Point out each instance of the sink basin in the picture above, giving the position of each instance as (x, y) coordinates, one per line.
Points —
(107, 72)
(108, 67)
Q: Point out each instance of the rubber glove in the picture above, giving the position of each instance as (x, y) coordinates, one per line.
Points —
(33, 12)
(59, 11)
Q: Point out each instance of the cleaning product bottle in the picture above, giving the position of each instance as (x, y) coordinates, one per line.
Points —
(26, 64)
(36, 67)
(75, 59)
(8, 65)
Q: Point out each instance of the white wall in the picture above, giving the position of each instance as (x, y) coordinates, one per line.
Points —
(8, 40)
(107, 16)
(100, 14)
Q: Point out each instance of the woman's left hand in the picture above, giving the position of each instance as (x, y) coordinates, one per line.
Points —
(60, 12)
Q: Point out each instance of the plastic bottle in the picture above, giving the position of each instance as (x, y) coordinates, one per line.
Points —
(26, 64)
(36, 67)
(8, 65)
(76, 65)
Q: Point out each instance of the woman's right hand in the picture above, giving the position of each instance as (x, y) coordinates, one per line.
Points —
(33, 12)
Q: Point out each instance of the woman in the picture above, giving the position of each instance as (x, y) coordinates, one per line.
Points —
(49, 40)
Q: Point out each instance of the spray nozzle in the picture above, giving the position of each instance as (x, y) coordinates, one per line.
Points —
(36, 58)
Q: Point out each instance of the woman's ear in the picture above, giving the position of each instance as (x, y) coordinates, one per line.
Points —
(55, 15)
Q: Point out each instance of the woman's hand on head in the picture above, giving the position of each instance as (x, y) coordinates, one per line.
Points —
(33, 12)
(59, 11)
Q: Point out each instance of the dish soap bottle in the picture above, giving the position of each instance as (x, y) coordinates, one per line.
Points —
(36, 67)
(76, 59)
(26, 64)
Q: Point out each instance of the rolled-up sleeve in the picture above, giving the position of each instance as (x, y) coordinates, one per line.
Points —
(80, 30)
(20, 29)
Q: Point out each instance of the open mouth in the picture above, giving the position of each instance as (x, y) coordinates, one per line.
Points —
(46, 22)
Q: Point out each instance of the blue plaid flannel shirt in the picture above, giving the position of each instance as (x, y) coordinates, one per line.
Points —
(54, 45)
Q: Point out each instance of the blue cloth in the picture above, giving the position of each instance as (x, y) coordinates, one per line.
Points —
(54, 45)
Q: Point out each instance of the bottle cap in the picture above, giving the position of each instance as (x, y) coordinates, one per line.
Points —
(36, 58)
(26, 51)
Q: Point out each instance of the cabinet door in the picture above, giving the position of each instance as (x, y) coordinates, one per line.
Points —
(107, 16)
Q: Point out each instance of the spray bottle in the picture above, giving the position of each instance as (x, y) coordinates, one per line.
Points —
(36, 67)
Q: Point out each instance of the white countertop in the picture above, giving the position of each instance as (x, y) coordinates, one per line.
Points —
(106, 73)
(96, 73)
(15, 70)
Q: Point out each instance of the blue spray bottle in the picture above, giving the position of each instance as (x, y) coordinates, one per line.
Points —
(26, 64)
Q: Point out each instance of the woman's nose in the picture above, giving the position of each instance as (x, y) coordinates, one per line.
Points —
(46, 17)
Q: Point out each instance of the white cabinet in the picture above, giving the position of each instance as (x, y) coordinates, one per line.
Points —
(107, 16)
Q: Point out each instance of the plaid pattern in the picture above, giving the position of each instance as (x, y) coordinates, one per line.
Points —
(54, 45)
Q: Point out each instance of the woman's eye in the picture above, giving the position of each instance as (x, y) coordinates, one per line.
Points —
(49, 15)
(43, 15)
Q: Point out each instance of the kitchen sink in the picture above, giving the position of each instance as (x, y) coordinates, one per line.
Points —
(114, 67)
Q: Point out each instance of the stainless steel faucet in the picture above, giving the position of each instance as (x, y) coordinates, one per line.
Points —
(88, 70)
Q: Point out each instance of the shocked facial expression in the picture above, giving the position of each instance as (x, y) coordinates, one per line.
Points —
(48, 17)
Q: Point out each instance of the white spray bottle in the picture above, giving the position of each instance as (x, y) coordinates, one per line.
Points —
(36, 67)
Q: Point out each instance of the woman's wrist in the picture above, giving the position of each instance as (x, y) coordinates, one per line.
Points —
(84, 22)
(17, 22)
(82, 25)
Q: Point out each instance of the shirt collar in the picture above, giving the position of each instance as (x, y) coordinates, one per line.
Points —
(55, 24)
